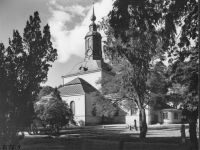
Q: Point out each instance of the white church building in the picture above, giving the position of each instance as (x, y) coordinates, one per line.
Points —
(81, 82)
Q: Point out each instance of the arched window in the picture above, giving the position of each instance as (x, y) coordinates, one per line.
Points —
(72, 107)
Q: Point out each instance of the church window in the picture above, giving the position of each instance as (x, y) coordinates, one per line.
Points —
(72, 107)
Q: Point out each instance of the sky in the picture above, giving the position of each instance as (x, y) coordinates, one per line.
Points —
(69, 22)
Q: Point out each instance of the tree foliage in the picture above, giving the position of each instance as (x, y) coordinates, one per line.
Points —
(183, 14)
(176, 95)
(105, 106)
(184, 72)
(113, 93)
(54, 111)
(133, 39)
(158, 82)
(135, 28)
(182, 49)
(25, 64)
(46, 90)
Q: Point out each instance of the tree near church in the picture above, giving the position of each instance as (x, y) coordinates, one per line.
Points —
(158, 82)
(25, 65)
(157, 85)
(46, 90)
(185, 74)
(54, 111)
(132, 38)
(111, 97)
(106, 107)
(162, 16)
(3, 89)
(183, 50)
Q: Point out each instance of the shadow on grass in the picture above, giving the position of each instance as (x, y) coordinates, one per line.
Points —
(135, 138)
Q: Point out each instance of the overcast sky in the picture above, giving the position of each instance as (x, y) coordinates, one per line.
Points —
(69, 23)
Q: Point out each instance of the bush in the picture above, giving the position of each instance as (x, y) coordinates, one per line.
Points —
(55, 111)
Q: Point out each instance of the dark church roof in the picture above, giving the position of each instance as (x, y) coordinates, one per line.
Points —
(89, 66)
(78, 86)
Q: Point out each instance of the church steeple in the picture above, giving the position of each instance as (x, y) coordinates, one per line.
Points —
(93, 41)
(93, 26)
(93, 17)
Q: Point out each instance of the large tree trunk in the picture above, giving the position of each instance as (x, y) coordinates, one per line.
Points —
(193, 134)
(9, 131)
(192, 119)
(143, 124)
(57, 128)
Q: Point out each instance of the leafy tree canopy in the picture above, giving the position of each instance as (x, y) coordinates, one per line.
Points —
(23, 66)
(105, 106)
(185, 73)
(140, 31)
(46, 90)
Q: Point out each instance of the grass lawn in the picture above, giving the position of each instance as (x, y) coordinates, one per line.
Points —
(106, 138)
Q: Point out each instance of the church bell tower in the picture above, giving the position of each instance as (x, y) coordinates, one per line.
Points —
(93, 41)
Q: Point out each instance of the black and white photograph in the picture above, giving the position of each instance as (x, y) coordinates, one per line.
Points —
(99, 75)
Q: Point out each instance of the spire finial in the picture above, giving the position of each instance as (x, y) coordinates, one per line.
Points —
(93, 17)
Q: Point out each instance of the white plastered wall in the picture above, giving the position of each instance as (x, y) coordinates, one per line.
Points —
(170, 119)
(79, 106)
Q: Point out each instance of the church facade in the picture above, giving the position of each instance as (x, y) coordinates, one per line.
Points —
(85, 74)
(80, 82)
